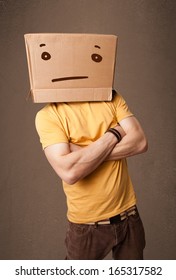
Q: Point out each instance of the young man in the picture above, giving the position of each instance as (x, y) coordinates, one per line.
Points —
(90, 158)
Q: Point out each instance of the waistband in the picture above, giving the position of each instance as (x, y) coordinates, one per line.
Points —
(117, 218)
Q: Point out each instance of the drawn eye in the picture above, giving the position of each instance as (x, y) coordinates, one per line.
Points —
(96, 57)
(45, 56)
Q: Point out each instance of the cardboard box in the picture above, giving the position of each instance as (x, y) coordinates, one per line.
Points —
(71, 67)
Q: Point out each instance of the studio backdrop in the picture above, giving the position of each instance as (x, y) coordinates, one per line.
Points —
(32, 203)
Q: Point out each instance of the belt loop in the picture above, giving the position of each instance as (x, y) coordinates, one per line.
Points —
(124, 215)
(96, 224)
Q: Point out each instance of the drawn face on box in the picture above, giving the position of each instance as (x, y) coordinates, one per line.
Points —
(72, 60)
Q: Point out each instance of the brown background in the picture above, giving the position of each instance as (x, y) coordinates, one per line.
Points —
(32, 203)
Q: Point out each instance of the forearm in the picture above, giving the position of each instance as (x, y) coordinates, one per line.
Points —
(83, 162)
(129, 146)
(74, 166)
(126, 148)
(133, 141)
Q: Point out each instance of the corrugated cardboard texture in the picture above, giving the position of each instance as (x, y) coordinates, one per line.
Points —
(71, 67)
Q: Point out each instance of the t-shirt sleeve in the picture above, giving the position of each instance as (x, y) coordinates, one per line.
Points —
(121, 108)
(50, 129)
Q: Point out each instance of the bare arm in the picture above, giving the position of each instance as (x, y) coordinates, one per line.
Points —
(133, 142)
(73, 166)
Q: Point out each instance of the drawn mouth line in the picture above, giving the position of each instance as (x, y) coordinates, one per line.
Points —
(69, 78)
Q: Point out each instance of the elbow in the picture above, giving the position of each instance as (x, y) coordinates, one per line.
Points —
(70, 181)
(143, 145)
(70, 177)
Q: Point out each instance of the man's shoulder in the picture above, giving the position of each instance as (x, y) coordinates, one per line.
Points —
(48, 109)
(47, 113)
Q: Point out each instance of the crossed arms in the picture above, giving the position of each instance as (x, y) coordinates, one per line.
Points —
(73, 163)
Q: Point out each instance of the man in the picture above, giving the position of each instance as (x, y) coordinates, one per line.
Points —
(90, 158)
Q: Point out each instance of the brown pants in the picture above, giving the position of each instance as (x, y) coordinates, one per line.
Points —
(126, 239)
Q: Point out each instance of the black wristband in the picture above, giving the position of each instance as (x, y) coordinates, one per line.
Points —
(116, 133)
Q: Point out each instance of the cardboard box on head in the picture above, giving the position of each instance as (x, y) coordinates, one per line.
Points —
(71, 67)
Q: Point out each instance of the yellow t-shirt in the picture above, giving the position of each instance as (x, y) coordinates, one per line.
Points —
(108, 190)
